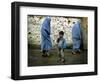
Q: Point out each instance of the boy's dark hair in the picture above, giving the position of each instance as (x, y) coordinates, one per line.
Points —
(61, 32)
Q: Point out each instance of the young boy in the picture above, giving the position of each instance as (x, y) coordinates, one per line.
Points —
(61, 44)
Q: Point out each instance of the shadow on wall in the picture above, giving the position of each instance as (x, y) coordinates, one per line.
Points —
(84, 31)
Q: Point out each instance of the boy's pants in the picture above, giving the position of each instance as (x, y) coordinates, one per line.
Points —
(61, 53)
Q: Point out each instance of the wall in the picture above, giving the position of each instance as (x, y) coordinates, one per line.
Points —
(84, 28)
(5, 41)
(57, 24)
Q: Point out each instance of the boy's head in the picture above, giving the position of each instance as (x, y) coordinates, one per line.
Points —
(61, 34)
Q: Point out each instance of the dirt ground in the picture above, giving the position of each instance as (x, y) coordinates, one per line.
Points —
(35, 58)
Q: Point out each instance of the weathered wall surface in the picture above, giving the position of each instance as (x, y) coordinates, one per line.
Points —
(84, 27)
(57, 24)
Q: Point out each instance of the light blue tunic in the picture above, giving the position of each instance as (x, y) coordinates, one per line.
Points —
(62, 43)
(45, 35)
(76, 36)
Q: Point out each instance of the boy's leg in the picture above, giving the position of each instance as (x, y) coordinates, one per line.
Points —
(62, 55)
(59, 52)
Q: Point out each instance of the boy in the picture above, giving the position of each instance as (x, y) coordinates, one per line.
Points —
(61, 44)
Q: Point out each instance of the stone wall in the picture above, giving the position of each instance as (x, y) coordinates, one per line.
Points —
(57, 24)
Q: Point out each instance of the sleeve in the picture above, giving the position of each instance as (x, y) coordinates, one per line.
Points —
(64, 43)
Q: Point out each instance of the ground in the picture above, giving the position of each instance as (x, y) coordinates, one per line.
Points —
(35, 58)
